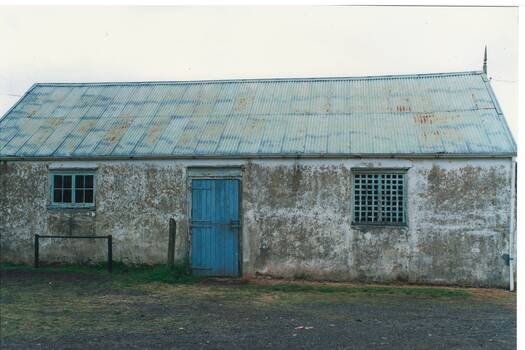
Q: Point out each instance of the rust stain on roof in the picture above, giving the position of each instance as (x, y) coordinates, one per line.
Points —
(116, 131)
(240, 104)
(402, 108)
(185, 139)
(86, 125)
(154, 133)
(424, 118)
(328, 105)
(31, 113)
(54, 121)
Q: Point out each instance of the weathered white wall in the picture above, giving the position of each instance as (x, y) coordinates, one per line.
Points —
(299, 220)
(134, 202)
(296, 218)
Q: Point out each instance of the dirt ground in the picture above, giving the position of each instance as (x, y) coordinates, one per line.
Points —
(68, 310)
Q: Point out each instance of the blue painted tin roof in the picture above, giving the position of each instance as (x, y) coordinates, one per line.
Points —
(429, 114)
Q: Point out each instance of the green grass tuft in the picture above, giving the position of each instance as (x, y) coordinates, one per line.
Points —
(181, 273)
(302, 276)
(121, 272)
(411, 291)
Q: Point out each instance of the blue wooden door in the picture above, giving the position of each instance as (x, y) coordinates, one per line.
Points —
(215, 227)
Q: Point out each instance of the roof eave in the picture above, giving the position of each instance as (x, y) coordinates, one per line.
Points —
(267, 156)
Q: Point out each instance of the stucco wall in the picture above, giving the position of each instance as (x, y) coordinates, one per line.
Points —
(296, 218)
(458, 217)
(133, 202)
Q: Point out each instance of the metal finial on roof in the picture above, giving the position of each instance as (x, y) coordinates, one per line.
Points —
(485, 61)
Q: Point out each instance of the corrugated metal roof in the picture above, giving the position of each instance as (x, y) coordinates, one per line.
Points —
(429, 114)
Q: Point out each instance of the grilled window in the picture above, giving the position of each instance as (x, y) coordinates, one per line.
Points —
(73, 190)
(379, 198)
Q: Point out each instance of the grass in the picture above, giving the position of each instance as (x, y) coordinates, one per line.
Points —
(127, 274)
(130, 275)
(410, 291)
(78, 299)
(83, 298)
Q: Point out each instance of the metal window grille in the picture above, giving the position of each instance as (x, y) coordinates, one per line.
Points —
(379, 198)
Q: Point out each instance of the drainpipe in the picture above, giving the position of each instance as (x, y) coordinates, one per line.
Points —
(511, 223)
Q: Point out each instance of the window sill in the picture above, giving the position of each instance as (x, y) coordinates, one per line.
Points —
(373, 225)
(69, 208)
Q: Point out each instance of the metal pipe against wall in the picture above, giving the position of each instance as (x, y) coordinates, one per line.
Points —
(511, 223)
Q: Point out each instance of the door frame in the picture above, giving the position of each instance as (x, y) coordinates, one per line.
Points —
(214, 173)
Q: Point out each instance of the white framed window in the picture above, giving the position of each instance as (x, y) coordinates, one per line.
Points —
(379, 197)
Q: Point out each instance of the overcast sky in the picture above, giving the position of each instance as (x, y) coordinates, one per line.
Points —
(79, 44)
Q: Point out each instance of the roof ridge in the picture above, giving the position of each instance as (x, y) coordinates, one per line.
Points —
(262, 80)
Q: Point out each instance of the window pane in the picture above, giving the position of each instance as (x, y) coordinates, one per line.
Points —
(72, 189)
(89, 196)
(57, 196)
(79, 196)
(67, 181)
(79, 181)
(89, 181)
(57, 181)
(67, 195)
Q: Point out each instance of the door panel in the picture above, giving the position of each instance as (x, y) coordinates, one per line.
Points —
(215, 227)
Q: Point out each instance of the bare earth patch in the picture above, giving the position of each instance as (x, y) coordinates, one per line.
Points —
(72, 310)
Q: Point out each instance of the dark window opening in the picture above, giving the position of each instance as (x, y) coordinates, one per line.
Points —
(73, 189)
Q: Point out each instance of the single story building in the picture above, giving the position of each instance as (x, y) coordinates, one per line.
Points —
(385, 178)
